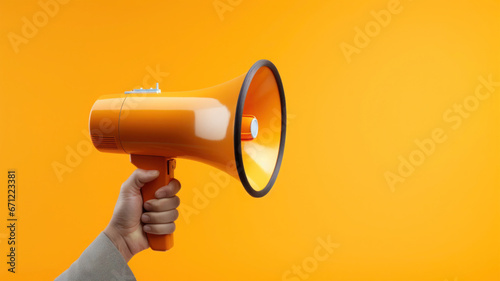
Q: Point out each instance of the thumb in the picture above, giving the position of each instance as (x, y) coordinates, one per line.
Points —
(138, 178)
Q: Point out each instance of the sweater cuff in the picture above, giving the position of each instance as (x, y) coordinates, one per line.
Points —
(100, 261)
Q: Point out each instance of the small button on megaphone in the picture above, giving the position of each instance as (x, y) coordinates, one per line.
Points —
(238, 127)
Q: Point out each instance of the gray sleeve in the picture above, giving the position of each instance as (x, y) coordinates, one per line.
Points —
(100, 261)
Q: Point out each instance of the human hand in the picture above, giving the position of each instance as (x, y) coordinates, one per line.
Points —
(128, 225)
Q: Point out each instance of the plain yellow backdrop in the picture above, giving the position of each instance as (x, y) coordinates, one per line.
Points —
(352, 118)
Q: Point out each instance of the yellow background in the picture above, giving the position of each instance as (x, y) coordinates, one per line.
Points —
(348, 123)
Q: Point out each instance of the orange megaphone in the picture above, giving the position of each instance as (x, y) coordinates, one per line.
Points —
(238, 127)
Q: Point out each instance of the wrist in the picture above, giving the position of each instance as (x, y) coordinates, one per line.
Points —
(119, 242)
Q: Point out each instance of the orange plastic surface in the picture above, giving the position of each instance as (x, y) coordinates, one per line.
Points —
(246, 123)
(197, 125)
(260, 155)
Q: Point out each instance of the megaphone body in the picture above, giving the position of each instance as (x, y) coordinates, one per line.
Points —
(238, 127)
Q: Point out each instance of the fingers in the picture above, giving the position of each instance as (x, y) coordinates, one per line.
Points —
(163, 204)
(168, 190)
(139, 177)
(161, 222)
(159, 229)
(161, 212)
(160, 217)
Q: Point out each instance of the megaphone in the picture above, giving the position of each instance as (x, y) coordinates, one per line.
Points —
(238, 127)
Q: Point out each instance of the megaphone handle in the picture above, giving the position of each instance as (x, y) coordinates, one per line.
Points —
(166, 168)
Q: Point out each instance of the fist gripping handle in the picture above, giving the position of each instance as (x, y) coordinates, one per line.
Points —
(166, 168)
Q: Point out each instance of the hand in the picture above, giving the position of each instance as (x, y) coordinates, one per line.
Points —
(128, 224)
